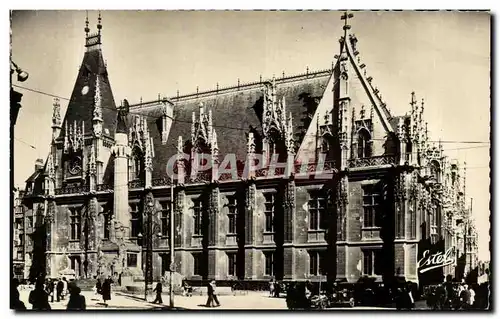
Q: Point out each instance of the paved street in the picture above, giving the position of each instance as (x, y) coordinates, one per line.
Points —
(251, 301)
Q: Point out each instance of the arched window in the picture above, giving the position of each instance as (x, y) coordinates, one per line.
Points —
(276, 145)
(364, 144)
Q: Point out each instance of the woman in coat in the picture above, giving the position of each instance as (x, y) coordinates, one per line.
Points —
(106, 290)
(38, 297)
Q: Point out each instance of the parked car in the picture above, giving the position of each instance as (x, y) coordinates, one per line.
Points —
(320, 301)
(342, 295)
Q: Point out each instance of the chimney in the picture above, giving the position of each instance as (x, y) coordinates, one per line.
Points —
(39, 164)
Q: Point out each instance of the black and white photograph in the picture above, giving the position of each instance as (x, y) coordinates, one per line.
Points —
(317, 160)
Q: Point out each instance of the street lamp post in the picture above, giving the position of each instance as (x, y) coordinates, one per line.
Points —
(15, 97)
(172, 229)
(150, 231)
(149, 246)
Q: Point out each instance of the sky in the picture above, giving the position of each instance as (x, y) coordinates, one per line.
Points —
(444, 57)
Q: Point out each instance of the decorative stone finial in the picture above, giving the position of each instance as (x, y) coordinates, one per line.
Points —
(87, 30)
(99, 25)
(346, 16)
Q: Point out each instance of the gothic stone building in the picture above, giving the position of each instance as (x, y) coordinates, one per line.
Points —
(364, 215)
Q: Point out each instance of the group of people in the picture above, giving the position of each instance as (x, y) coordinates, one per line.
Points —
(404, 297)
(449, 295)
(275, 288)
(44, 289)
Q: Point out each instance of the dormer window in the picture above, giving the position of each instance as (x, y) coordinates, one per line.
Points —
(364, 144)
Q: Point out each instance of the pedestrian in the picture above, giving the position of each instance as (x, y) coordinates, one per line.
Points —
(106, 290)
(65, 287)
(472, 297)
(271, 287)
(188, 290)
(291, 296)
(15, 302)
(277, 289)
(54, 288)
(59, 290)
(38, 297)
(407, 300)
(76, 301)
(308, 289)
(97, 289)
(464, 297)
(441, 296)
(212, 297)
(49, 288)
(158, 291)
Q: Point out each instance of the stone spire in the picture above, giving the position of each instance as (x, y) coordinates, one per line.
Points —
(97, 114)
(56, 119)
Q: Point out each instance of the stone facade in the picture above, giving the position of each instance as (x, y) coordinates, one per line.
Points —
(359, 192)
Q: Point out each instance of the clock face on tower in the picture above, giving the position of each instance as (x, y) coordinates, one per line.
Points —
(75, 166)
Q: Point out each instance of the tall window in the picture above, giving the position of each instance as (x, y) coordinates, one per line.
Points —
(364, 144)
(231, 266)
(75, 223)
(373, 262)
(269, 211)
(197, 263)
(232, 214)
(371, 203)
(134, 220)
(269, 256)
(131, 260)
(413, 224)
(198, 215)
(317, 262)
(107, 218)
(317, 210)
(165, 218)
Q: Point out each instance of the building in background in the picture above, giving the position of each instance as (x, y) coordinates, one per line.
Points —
(362, 192)
(19, 231)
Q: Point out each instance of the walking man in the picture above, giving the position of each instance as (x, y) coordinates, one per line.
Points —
(212, 297)
(158, 291)
(59, 288)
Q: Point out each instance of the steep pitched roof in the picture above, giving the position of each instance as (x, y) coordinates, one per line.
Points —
(372, 93)
(81, 104)
(236, 111)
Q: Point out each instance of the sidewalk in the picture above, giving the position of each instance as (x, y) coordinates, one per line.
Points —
(253, 300)
(250, 301)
